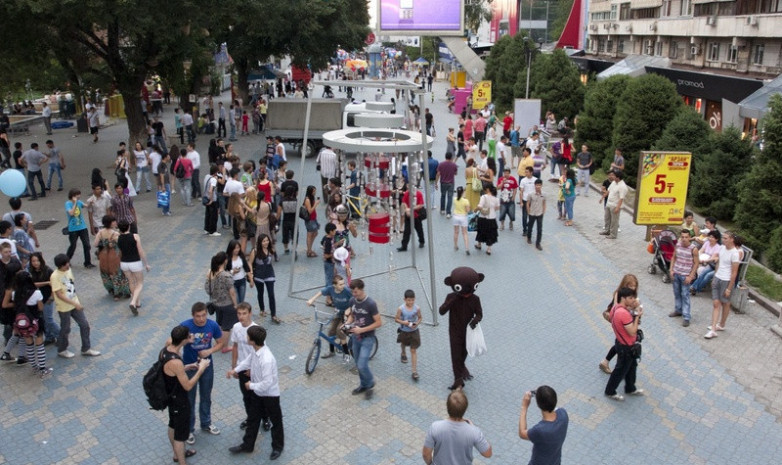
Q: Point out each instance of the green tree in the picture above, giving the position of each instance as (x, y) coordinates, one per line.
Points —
(477, 12)
(725, 160)
(759, 209)
(687, 132)
(596, 121)
(502, 68)
(556, 81)
(644, 109)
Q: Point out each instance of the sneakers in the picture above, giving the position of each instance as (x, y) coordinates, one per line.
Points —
(346, 359)
(719, 328)
(617, 397)
(637, 392)
(211, 429)
(686, 323)
(66, 354)
(674, 314)
(191, 439)
(448, 216)
(604, 233)
(90, 353)
(710, 334)
(327, 355)
(45, 372)
(215, 234)
(6, 357)
(21, 361)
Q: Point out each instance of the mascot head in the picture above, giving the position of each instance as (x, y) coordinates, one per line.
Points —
(464, 280)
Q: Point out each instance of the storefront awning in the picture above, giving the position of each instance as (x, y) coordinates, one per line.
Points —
(634, 65)
(709, 86)
(756, 105)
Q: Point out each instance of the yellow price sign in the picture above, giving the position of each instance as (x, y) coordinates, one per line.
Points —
(481, 94)
(663, 178)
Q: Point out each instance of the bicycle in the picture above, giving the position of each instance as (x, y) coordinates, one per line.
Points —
(314, 355)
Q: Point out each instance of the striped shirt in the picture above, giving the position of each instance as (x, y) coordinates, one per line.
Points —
(328, 163)
(683, 263)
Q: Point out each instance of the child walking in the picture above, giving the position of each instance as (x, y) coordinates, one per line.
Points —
(408, 316)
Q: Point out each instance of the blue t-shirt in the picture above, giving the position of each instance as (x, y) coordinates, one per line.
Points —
(341, 300)
(75, 222)
(202, 339)
(433, 169)
(547, 438)
(514, 138)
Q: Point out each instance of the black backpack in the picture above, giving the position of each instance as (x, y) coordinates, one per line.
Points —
(179, 171)
(155, 384)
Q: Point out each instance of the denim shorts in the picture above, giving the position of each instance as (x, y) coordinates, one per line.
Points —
(311, 225)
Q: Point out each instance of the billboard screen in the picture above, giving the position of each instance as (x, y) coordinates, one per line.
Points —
(421, 17)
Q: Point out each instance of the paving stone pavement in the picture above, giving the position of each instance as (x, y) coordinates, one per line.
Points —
(708, 402)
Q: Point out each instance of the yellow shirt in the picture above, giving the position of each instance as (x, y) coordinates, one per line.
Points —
(523, 164)
(63, 281)
(461, 207)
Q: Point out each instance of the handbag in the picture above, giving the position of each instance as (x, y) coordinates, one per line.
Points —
(304, 214)
(472, 221)
(163, 199)
(476, 184)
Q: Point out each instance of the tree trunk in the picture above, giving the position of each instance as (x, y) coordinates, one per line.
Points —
(137, 127)
(242, 72)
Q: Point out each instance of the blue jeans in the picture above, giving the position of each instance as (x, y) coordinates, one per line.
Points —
(328, 271)
(569, 201)
(509, 209)
(204, 385)
(681, 295)
(703, 280)
(55, 168)
(446, 197)
(233, 131)
(240, 285)
(362, 349)
(52, 328)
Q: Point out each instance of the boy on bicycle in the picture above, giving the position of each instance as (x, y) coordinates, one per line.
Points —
(340, 298)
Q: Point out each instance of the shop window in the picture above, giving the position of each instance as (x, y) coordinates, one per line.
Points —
(620, 46)
(733, 54)
(673, 50)
(757, 54)
(714, 52)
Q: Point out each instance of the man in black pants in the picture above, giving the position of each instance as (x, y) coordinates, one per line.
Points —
(417, 212)
(265, 396)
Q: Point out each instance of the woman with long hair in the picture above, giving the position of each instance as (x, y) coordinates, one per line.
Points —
(239, 268)
(97, 179)
(487, 218)
(133, 262)
(470, 173)
(263, 215)
(114, 280)
(569, 193)
(631, 282)
(263, 274)
(251, 205)
(488, 175)
(142, 165)
(461, 207)
(28, 299)
(312, 226)
(41, 274)
(219, 286)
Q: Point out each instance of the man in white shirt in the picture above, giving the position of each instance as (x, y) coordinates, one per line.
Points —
(502, 154)
(279, 148)
(241, 349)
(195, 180)
(617, 192)
(154, 160)
(329, 167)
(187, 122)
(265, 395)
(98, 205)
(233, 184)
(46, 112)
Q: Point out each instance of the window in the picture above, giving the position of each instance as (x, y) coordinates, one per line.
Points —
(624, 11)
(610, 46)
(733, 54)
(714, 52)
(757, 54)
(658, 52)
(613, 12)
(620, 46)
(673, 50)
(686, 8)
(649, 49)
(601, 44)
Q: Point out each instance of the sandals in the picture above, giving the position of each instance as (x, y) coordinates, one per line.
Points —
(188, 453)
(276, 320)
(263, 314)
(404, 358)
(415, 376)
(311, 254)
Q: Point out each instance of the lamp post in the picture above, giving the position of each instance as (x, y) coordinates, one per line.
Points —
(529, 59)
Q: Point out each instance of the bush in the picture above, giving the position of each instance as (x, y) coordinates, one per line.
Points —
(646, 105)
(503, 65)
(596, 121)
(774, 252)
(556, 81)
(687, 132)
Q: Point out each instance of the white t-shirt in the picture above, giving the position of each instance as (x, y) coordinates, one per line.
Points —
(527, 185)
(239, 338)
(236, 264)
(727, 259)
(155, 158)
(232, 186)
(501, 148)
(194, 157)
(210, 182)
(490, 203)
(141, 158)
(34, 298)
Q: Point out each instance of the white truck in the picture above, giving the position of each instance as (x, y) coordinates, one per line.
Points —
(286, 118)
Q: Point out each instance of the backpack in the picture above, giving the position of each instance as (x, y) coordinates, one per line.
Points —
(179, 171)
(556, 150)
(155, 385)
(24, 325)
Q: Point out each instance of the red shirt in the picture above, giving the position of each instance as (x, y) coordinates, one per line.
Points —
(507, 122)
(184, 161)
(419, 200)
(620, 316)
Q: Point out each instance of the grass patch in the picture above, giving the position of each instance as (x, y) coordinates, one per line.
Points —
(765, 282)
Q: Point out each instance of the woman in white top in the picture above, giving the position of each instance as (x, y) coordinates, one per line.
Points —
(487, 218)
(142, 165)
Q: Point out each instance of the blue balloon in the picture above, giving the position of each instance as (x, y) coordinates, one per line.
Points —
(12, 183)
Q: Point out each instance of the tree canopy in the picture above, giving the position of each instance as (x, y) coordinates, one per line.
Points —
(557, 82)
(596, 121)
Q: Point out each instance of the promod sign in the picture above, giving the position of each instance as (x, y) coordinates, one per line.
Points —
(663, 178)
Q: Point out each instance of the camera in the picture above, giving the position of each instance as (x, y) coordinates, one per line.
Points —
(532, 393)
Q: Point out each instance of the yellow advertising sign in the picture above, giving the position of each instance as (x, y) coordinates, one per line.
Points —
(481, 94)
(663, 178)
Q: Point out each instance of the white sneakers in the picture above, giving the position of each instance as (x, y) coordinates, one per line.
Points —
(710, 334)
(66, 354)
(91, 353)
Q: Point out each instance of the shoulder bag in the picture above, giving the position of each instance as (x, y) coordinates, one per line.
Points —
(476, 184)
(210, 307)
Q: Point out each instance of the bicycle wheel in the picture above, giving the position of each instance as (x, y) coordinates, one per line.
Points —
(312, 358)
(374, 349)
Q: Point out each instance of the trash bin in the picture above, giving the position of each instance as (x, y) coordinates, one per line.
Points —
(739, 298)
(81, 123)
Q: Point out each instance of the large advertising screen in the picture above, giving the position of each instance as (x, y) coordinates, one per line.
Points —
(421, 17)
(661, 196)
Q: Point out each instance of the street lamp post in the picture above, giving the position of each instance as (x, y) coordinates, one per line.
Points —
(529, 59)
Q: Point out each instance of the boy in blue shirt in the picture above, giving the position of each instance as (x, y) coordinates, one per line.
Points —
(340, 297)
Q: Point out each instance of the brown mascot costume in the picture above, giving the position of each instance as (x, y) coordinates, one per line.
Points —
(465, 308)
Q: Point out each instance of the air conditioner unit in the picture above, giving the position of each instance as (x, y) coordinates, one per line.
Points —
(694, 51)
(752, 21)
(711, 20)
(615, 26)
(593, 27)
(606, 26)
(653, 26)
(629, 28)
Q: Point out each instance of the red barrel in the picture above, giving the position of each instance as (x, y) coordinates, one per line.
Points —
(383, 190)
(382, 162)
(379, 228)
(379, 238)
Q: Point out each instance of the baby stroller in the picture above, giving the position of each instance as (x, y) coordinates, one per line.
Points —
(663, 245)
